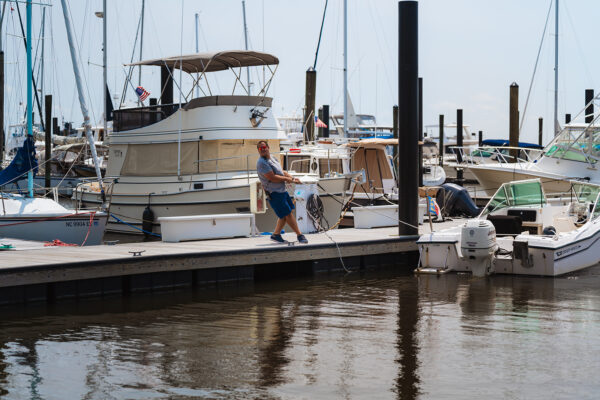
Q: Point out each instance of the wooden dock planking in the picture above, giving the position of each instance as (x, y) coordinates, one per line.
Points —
(60, 265)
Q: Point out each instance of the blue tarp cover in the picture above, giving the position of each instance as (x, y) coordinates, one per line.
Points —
(504, 142)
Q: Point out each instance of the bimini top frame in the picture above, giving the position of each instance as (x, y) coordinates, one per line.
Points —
(201, 63)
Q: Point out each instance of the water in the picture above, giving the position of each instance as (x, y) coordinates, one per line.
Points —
(375, 335)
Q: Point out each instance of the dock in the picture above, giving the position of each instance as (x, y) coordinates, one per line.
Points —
(52, 273)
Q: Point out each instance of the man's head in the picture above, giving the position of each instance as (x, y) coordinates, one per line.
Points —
(263, 148)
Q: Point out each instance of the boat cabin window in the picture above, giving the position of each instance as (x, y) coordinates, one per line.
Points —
(523, 193)
(328, 167)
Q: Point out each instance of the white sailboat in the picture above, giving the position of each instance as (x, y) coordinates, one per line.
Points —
(26, 217)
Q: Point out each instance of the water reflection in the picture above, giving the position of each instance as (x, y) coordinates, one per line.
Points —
(407, 383)
(377, 335)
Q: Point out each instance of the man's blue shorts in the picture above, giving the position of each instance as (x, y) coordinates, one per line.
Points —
(282, 203)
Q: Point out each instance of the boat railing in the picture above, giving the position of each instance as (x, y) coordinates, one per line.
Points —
(127, 119)
(471, 155)
(250, 172)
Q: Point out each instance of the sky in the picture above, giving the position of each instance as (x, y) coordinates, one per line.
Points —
(470, 51)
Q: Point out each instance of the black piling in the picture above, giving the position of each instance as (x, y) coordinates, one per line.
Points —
(567, 118)
(441, 141)
(309, 107)
(480, 138)
(166, 85)
(325, 120)
(420, 132)
(459, 145)
(589, 109)
(408, 124)
(541, 131)
(48, 139)
(513, 125)
(55, 127)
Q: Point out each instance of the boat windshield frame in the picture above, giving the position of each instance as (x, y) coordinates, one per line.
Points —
(506, 196)
(580, 143)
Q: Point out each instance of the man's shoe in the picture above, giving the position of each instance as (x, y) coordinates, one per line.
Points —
(277, 238)
(302, 239)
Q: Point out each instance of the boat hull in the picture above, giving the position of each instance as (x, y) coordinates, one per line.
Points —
(70, 228)
(491, 178)
(126, 209)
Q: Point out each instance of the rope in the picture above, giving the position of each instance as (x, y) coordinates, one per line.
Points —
(89, 228)
(134, 227)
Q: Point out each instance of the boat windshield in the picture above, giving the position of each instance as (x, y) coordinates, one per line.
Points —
(576, 143)
(586, 192)
(521, 193)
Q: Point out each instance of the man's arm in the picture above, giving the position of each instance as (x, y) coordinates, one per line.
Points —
(281, 178)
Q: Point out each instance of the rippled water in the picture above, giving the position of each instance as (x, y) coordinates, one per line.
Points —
(376, 335)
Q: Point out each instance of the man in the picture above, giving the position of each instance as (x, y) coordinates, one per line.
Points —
(273, 179)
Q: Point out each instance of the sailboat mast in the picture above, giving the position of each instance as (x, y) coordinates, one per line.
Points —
(141, 48)
(29, 93)
(42, 57)
(104, 68)
(84, 109)
(246, 40)
(197, 87)
(556, 125)
(345, 68)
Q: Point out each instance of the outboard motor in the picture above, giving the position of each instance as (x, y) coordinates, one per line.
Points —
(478, 245)
(455, 201)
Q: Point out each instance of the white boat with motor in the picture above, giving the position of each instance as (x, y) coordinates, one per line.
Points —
(520, 231)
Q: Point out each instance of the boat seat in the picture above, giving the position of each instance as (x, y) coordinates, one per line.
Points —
(563, 223)
(506, 224)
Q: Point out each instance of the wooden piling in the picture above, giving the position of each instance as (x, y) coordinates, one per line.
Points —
(589, 109)
(459, 144)
(395, 132)
(309, 109)
(420, 132)
(48, 140)
(441, 140)
(480, 141)
(541, 131)
(513, 135)
(567, 118)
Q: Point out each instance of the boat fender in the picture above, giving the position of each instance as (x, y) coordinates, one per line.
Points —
(549, 231)
(147, 220)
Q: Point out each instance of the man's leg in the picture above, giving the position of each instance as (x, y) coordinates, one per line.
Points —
(291, 221)
(279, 226)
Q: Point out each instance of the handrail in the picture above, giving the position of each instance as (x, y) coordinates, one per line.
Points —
(530, 155)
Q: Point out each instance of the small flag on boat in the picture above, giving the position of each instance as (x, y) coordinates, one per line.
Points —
(319, 123)
(433, 207)
(142, 93)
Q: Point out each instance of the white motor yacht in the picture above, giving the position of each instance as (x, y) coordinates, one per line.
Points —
(198, 157)
(573, 154)
(520, 231)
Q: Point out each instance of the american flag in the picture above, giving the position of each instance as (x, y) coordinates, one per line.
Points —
(142, 93)
(319, 123)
